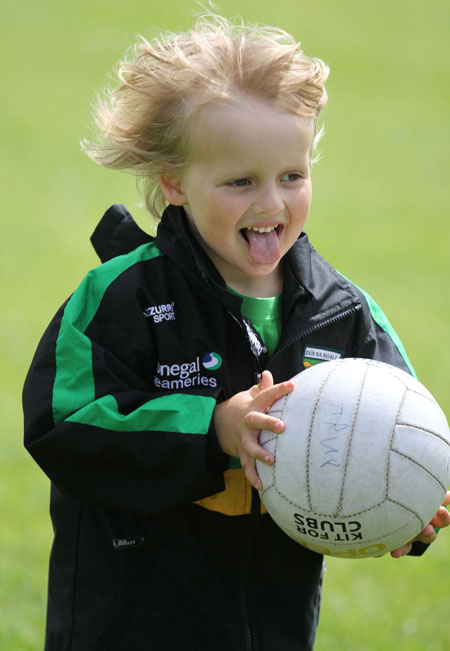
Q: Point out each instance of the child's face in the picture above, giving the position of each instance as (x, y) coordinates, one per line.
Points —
(247, 190)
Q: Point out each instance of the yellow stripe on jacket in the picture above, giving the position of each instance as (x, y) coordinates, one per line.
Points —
(236, 499)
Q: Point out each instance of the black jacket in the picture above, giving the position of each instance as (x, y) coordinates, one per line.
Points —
(150, 550)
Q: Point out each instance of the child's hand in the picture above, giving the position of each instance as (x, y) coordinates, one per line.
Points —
(239, 420)
(428, 535)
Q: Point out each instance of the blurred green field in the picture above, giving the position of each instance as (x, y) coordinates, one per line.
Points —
(380, 214)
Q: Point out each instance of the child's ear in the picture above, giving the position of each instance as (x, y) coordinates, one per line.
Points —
(172, 189)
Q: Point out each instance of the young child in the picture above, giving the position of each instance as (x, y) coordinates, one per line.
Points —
(148, 390)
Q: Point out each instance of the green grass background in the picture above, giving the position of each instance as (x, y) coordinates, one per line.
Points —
(380, 214)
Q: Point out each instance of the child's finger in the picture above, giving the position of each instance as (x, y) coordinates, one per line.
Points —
(266, 398)
(256, 420)
(401, 551)
(266, 381)
(249, 466)
(427, 535)
(254, 450)
(441, 519)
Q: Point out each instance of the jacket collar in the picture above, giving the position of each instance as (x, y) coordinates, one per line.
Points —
(174, 238)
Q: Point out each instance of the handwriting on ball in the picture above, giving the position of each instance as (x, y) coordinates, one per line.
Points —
(332, 442)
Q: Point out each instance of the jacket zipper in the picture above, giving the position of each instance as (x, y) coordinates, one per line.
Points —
(255, 510)
(323, 324)
(247, 644)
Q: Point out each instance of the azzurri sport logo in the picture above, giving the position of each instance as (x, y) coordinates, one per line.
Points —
(188, 374)
(160, 313)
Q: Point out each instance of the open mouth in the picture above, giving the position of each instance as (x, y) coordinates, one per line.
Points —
(261, 230)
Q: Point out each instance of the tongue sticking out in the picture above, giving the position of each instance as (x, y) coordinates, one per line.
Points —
(264, 247)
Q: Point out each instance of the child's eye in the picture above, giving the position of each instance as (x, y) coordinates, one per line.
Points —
(239, 183)
(291, 176)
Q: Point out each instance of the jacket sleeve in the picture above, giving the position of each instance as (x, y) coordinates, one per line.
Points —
(381, 342)
(96, 426)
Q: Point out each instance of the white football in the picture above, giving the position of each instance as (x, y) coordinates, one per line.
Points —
(363, 463)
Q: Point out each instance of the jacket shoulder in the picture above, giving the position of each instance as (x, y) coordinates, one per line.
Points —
(382, 325)
(116, 277)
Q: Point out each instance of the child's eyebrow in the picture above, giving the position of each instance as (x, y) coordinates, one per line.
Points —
(232, 175)
(245, 173)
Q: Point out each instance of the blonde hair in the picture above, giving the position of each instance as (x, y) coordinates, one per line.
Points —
(147, 122)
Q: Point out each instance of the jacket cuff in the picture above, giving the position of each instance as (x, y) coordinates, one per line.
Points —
(418, 548)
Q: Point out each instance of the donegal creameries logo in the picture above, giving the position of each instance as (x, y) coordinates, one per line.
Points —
(188, 374)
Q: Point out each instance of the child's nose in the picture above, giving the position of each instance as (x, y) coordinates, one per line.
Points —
(268, 201)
